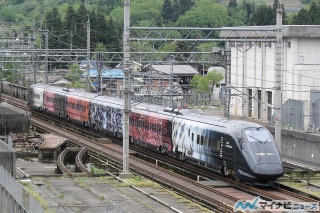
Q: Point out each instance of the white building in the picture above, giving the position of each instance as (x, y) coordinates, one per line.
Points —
(252, 77)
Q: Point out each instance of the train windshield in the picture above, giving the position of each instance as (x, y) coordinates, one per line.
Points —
(260, 135)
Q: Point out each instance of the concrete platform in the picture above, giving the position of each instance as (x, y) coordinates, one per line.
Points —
(92, 194)
(310, 165)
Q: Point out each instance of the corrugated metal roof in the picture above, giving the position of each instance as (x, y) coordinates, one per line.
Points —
(107, 73)
(51, 141)
(176, 69)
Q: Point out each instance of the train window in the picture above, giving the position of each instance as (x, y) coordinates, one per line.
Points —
(198, 139)
(192, 137)
(260, 135)
(168, 126)
(189, 132)
(206, 141)
(218, 144)
(202, 140)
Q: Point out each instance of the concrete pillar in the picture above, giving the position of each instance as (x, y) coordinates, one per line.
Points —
(255, 103)
(1, 199)
(55, 154)
(40, 155)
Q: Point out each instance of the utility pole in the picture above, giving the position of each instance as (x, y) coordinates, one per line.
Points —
(171, 82)
(224, 59)
(46, 47)
(1, 70)
(126, 89)
(88, 54)
(278, 76)
(99, 68)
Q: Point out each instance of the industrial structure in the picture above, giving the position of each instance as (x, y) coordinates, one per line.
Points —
(252, 74)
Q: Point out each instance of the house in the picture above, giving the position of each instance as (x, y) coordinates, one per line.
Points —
(180, 73)
(111, 80)
(253, 80)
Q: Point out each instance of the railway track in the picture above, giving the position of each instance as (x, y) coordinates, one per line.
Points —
(265, 192)
(221, 201)
(220, 198)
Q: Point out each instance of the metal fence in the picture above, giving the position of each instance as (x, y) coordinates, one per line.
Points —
(176, 101)
(14, 197)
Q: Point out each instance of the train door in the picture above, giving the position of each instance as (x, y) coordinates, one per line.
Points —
(222, 153)
(222, 146)
(227, 154)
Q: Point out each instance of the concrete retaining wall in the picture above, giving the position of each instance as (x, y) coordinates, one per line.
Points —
(300, 145)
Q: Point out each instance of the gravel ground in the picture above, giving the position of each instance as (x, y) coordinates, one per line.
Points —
(94, 194)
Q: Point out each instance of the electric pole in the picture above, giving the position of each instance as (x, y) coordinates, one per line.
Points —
(88, 54)
(46, 47)
(278, 77)
(126, 89)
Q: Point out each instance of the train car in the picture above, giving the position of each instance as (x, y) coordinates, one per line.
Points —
(35, 96)
(77, 106)
(54, 101)
(243, 150)
(152, 129)
(106, 115)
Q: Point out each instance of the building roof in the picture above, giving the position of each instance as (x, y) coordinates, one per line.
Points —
(176, 69)
(61, 81)
(106, 73)
(309, 31)
(51, 141)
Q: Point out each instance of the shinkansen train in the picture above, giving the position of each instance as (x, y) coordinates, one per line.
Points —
(244, 150)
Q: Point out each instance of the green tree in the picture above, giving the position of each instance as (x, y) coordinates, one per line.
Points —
(249, 8)
(195, 81)
(167, 11)
(142, 11)
(232, 4)
(179, 7)
(53, 23)
(214, 77)
(74, 75)
(301, 18)
(204, 84)
(80, 35)
(113, 35)
(264, 15)
(205, 14)
(314, 14)
(69, 24)
(8, 14)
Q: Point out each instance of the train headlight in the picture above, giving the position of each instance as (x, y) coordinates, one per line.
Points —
(264, 154)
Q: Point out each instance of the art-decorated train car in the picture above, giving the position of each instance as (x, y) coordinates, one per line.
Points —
(152, 129)
(244, 150)
(106, 115)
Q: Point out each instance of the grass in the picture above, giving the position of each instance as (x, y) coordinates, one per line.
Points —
(304, 187)
(97, 171)
(80, 183)
(34, 194)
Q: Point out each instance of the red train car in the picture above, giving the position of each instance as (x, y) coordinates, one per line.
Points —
(150, 129)
(77, 109)
(54, 102)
